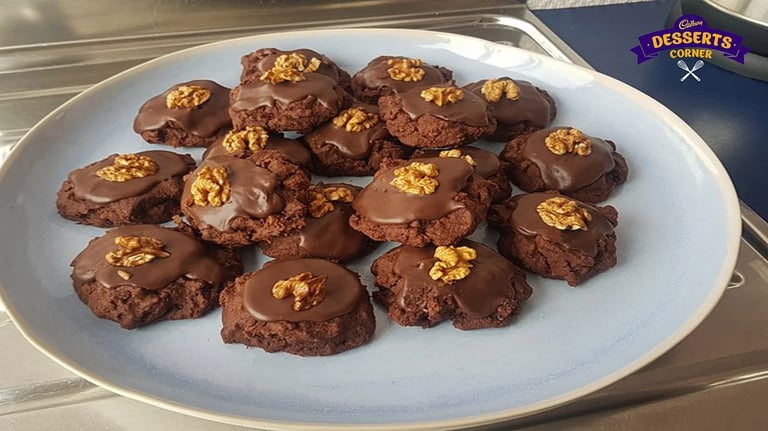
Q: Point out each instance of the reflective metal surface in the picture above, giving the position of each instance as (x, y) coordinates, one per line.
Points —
(51, 50)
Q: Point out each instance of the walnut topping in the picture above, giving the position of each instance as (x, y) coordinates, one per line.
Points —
(251, 137)
(457, 153)
(211, 187)
(452, 263)
(319, 205)
(563, 214)
(442, 95)
(290, 67)
(340, 194)
(187, 97)
(128, 167)
(493, 89)
(308, 290)
(125, 275)
(563, 141)
(405, 69)
(417, 178)
(355, 120)
(134, 251)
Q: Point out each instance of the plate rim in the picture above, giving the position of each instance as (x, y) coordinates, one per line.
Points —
(704, 153)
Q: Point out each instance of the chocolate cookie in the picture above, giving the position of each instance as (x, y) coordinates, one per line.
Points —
(189, 114)
(436, 200)
(470, 284)
(307, 307)
(353, 143)
(485, 163)
(261, 61)
(440, 116)
(125, 189)
(137, 275)
(518, 106)
(566, 160)
(387, 75)
(244, 143)
(326, 234)
(237, 202)
(555, 236)
(291, 96)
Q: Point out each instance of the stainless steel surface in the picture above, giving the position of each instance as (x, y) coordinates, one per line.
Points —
(61, 48)
(753, 10)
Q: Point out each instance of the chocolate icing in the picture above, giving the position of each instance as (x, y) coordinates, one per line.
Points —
(188, 258)
(89, 186)
(258, 94)
(294, 150)
(325, 68)
(487, 162)
(375, 75)
(255, 193)
(383, 203)
(490, 281)
(343, 291)
(530, 108)
(525, 220)
(471, 110)
(204, 120)
(353, 145)
(569, 171)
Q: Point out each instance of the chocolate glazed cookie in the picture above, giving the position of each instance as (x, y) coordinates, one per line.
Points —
(261, 61)
(487, 295)
(245, 143)
(237, 202)
(566, 160)
(137, 275)
(386, 75)
(189, 114)
(265, 309)
(435, 200)
(125, 189)
(556, 236)
(439, 116)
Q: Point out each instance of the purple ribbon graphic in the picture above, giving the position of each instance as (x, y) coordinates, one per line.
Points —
(690, 31)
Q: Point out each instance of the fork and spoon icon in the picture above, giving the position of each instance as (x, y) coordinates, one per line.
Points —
(696, 66)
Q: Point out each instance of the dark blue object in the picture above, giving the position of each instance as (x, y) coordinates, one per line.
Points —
(729, 111)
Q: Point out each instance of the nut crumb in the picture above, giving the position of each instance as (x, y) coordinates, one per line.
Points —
(452, 263)
(416, 178)
(291, 67)
(564, 141)
(442, 95)
(211, 186)
(493, 89)
(355, 120)
(125, 275)
(187, 97)
(319, 205)
(253, 137)
(134, 251)
(405, 69)
(338, 194)
(307, 289)
(457, 153)
(128, 167)
(563, 214)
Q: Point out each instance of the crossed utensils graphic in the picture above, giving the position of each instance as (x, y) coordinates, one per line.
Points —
(696, 66)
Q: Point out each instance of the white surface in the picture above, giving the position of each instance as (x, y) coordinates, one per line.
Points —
(678, 237)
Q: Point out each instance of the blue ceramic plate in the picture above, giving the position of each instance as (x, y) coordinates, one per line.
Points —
(678, 239)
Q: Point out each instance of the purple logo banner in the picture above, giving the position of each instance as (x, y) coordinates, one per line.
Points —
(690, 31)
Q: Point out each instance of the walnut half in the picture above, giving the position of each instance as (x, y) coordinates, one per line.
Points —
(457, 153)
(211, 186)
(127, 167)
(405, 69)
(493, 89)
(290, 67)
(563, 214)
(442, 95)
(134, 251)
(355, 120)
(253, 137)
(338, 194)
(187, 97)
(417, 178)
(563, 141)
(307, 289)
(319, 205)
(452, 263)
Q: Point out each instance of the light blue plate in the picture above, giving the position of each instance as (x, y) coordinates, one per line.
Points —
(678, 240)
